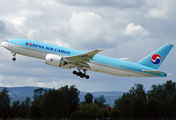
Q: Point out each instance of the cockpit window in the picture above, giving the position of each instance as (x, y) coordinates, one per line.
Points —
(7, 40)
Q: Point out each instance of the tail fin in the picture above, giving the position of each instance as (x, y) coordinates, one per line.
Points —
(155, 59)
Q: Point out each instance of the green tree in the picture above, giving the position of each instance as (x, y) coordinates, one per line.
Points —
(155, 105)
(88, 98)
(164, 96)
(164, 90)
(54, 104)
(38, 95)
(72, 95)
(115, 112)
(27, 101)
(24, 107)
(140, 105)
(4, 110)
(170, 86)
(167, 108)
(4, 96)
(34, 111)
(124, 106)
(16, 111)
(4, 103)
(159, 102)
(136, 89)
(172, 106)
(100, 101)
(89, 111)
(131, 104)
(35, 108)
(81, 104)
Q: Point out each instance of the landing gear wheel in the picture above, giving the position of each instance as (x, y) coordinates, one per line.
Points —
(74, 72)
(13, 59)
(87, 77)
(13, 54)
(79, 74)
(84, 75)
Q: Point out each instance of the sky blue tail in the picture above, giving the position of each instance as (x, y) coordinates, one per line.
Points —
(155, 59)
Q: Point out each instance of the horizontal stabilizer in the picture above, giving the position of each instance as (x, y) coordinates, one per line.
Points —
(153, 71)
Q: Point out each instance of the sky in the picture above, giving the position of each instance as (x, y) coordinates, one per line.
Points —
(122, 28)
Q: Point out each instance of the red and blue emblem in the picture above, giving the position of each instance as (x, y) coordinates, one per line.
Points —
(51, 60)
(30, 44)
(156, 59)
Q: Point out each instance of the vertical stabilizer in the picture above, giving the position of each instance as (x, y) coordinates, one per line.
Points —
(155, 59)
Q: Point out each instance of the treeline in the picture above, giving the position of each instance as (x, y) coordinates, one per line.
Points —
(52, 103)
(159, 102)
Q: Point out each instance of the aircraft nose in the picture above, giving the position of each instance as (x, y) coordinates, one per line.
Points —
(4, 44)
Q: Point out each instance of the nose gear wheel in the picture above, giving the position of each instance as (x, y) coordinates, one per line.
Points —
(14, 55)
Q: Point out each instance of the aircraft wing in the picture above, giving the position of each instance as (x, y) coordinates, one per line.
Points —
(82, 59)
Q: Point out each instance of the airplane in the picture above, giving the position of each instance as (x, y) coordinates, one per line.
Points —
(70, 58)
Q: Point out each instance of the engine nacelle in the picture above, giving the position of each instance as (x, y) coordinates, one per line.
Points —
(55, 60)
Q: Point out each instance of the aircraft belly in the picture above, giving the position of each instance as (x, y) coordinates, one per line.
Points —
(119, 72)
(27, 52)
(112, 70)
(35, 54)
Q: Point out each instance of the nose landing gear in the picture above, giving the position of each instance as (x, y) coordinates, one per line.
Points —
(14, 54)
(13, 59)
(82, 75)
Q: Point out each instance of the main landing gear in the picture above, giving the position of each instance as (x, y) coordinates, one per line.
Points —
(13, 59)
(81, 74)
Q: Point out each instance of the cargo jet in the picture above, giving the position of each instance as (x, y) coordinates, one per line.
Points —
(69, 58)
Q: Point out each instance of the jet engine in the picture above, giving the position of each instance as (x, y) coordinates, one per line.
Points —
(55, 60)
